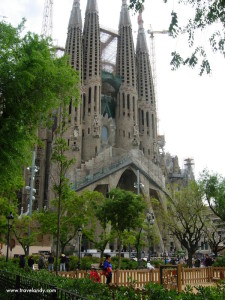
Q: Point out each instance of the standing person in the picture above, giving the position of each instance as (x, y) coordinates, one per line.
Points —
(22, 262)
(62, 262)
(208, 261)
(197, 263)
(108, 269)
(41, 262)
(94, 274)
(51, 262)
(30, 261)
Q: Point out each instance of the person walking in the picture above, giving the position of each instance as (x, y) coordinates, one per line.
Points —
(51, 263)
(30, 261)
(41, 262)
(108, 269)
(62, 263)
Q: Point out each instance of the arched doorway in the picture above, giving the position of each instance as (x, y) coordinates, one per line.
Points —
(127, 181)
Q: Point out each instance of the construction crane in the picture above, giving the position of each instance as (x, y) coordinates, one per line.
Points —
(153, 59)
(47, 25)
(152, 49)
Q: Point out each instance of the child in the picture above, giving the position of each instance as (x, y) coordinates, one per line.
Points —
(94, 274)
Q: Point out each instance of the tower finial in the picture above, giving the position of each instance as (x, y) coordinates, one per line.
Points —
(140, 19)
(92, 6)
(124, 2)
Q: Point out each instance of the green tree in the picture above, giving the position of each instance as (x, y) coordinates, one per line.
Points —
(61, 166)
(71, 219)
(20, 230)
(205, 14)
(8, 203)
(213, 186)
(123, 210)
(98, 228)
(186, 217)
(32, 82)
(215, 238)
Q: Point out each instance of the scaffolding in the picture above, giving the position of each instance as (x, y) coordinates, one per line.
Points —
(108, 39)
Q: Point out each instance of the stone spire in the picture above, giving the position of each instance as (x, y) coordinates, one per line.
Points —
(126, 114)
(147, 117)
(141, 38)
(92, 6)
(74, 38)
(92, 51)
(74, 49)
(124, 15)
(75, 17)
(91, 110)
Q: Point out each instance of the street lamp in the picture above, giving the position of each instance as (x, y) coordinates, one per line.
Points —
(151, 219)
(164, 244)
(79, 246)
(10, 221)
(138, 184)
(32, 190)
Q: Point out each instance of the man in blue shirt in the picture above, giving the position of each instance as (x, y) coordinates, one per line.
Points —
(108, 269)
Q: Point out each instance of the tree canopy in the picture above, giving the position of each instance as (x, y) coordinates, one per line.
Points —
(123, 210)
(214, 191)
(205, 14)
(32, 80)
(186, 217)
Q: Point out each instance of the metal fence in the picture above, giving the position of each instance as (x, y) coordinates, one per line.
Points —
(14, 286)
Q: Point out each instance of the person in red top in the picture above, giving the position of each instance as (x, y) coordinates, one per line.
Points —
(94, 274)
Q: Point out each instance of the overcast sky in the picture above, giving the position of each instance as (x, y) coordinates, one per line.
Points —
(190, 108)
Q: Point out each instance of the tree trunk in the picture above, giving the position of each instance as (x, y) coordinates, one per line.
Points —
(62, 247)
(190, 255)
(215, 251)
(119, 253)
(58, 233)
(101, 255)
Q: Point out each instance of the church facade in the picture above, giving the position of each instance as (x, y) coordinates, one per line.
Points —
(112, 133)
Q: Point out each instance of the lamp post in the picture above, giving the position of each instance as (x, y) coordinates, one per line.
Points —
(10, 220)
(151, 219)
(30, 188)
(164, 244)
(79, 246)
(137, 186)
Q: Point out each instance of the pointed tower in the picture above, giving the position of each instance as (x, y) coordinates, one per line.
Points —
(146, 97)
(74, 49)
(91, 110)
(126, 111)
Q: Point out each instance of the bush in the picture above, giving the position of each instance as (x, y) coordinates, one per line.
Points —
(91, 290)
(125, 263)
(220, 261)
(86, 262)
(157, 263)
(73, 262)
